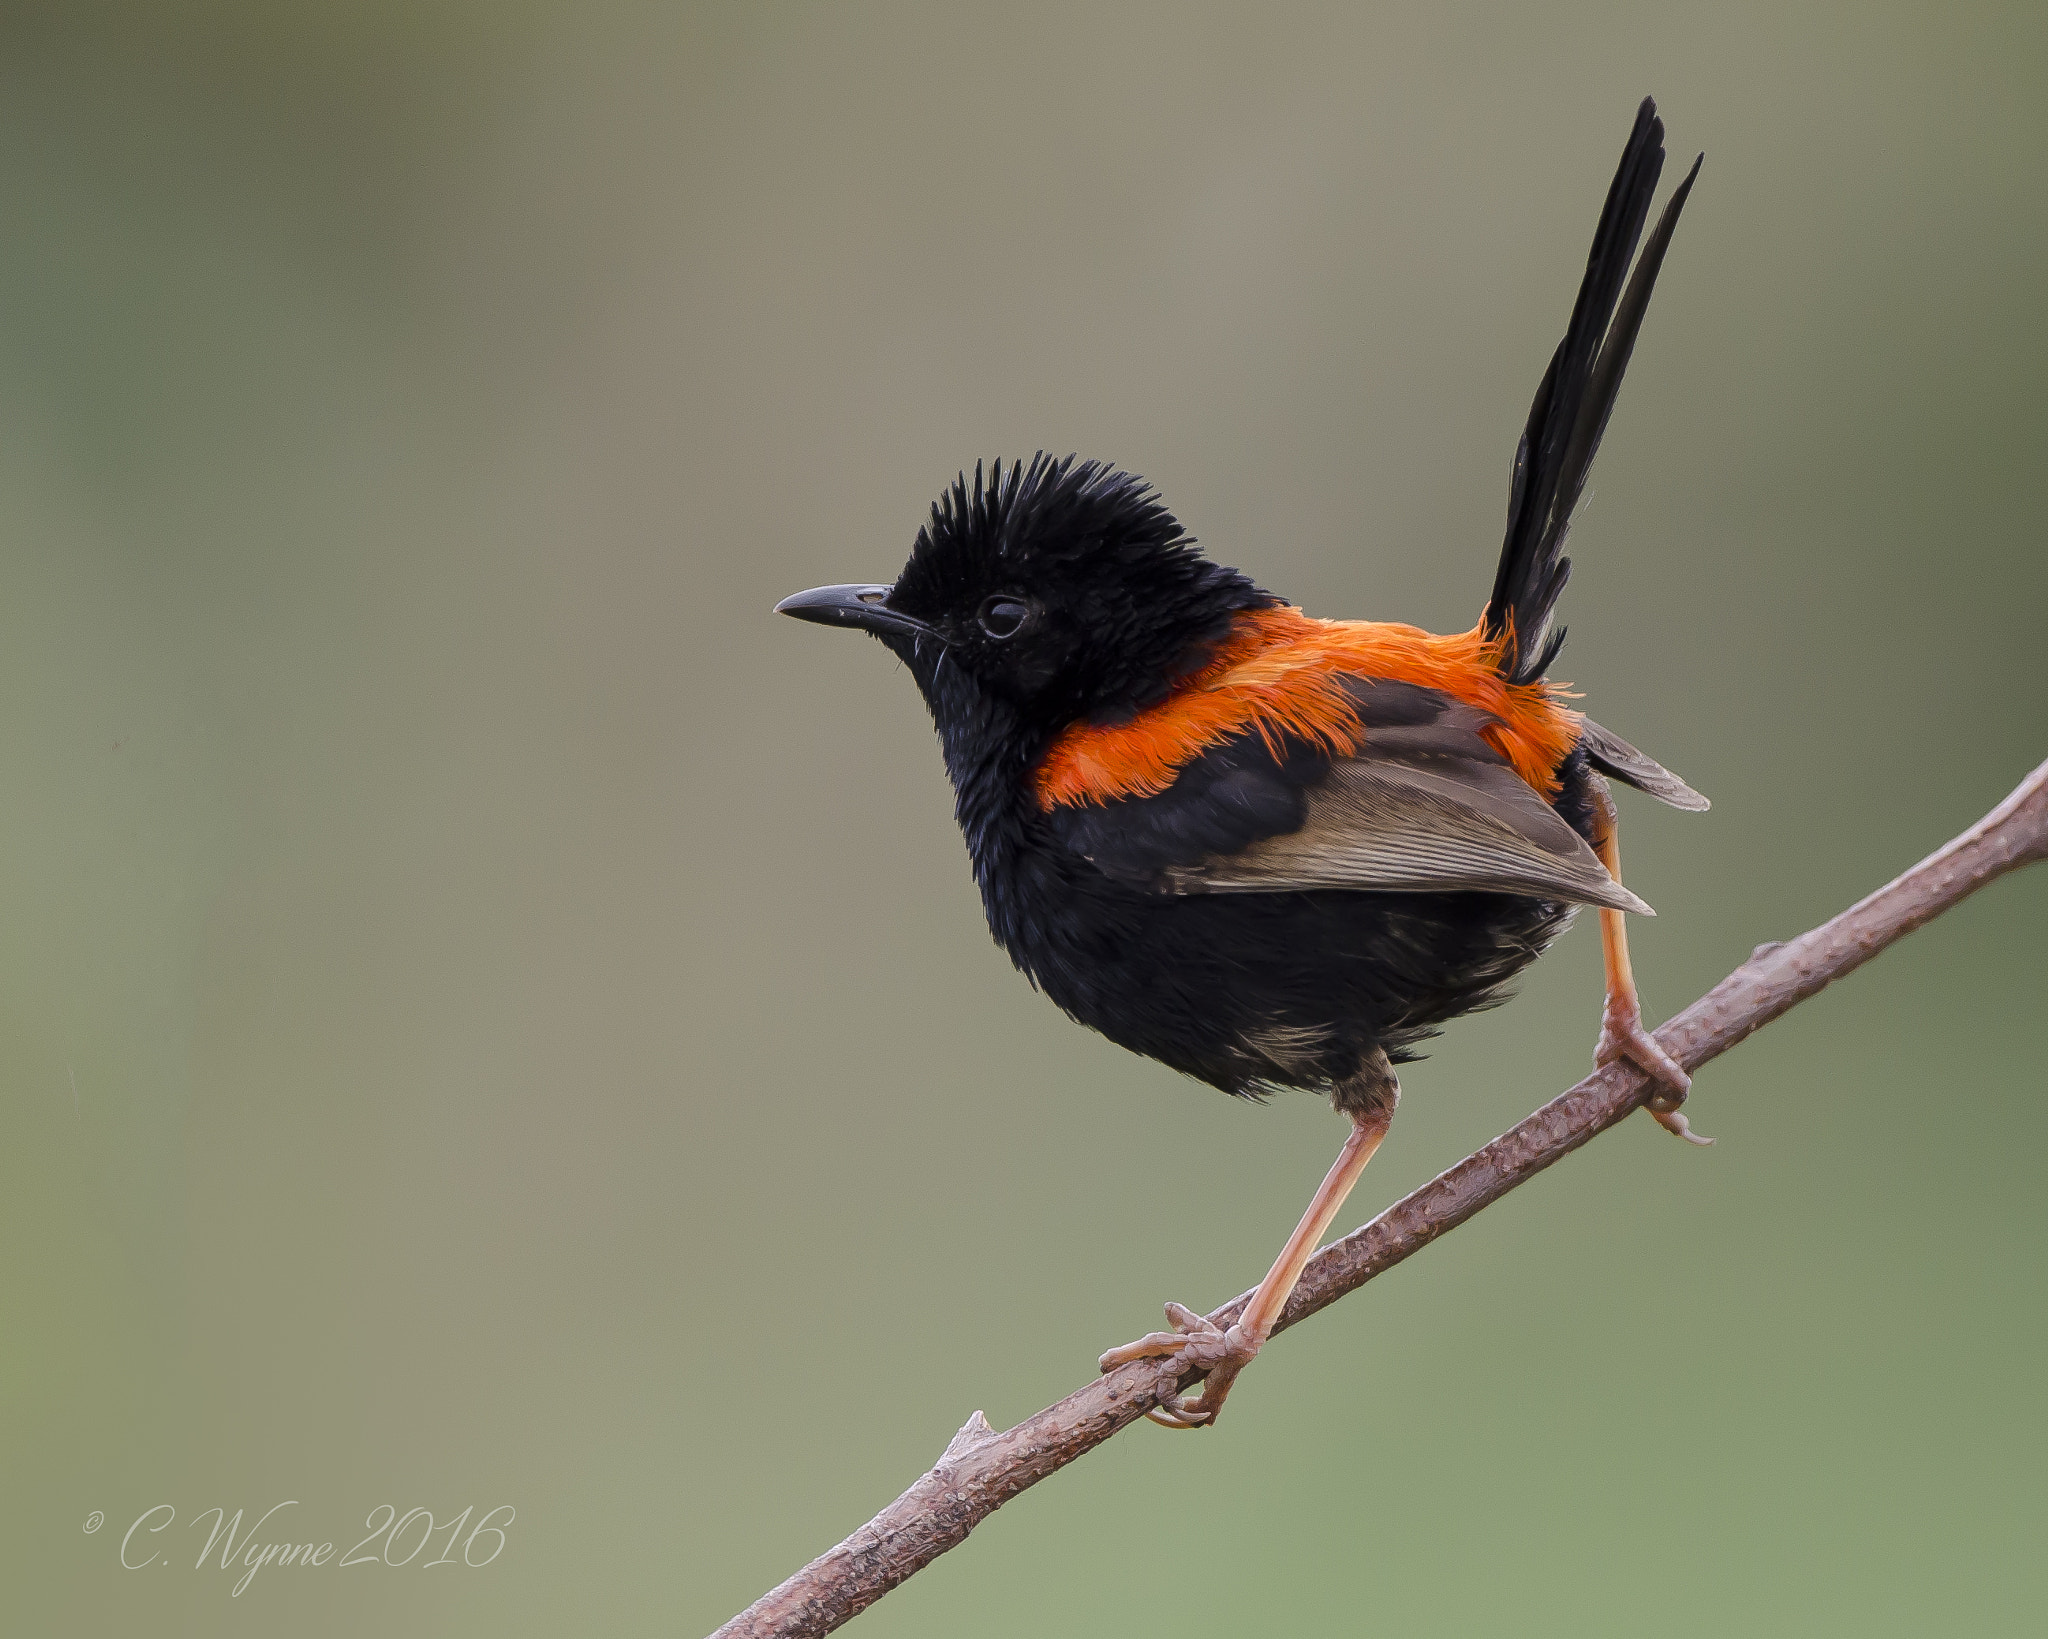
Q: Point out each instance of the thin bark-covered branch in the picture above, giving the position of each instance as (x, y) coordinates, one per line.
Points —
(981, 1469)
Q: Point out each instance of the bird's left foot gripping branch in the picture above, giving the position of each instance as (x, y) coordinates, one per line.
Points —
(1269, 850)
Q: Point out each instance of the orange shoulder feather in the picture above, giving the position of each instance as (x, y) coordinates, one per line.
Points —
(1281, 674)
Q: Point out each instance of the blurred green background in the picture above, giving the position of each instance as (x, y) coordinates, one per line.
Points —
(492, 1017)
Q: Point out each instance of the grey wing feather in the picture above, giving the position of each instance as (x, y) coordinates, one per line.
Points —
(1611, 754)
(1428, 807)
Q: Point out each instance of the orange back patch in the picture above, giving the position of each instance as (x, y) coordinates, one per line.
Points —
(1281, 674)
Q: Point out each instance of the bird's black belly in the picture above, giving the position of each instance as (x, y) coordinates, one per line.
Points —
(1253, 991)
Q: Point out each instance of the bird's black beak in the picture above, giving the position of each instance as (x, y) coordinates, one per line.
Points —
(863, 606)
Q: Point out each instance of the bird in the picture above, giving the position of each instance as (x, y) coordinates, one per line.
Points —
(1267, 849)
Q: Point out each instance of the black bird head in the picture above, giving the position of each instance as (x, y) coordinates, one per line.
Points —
(1063, 589)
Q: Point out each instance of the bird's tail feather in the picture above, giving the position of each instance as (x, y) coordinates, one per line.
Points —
(1572, 404)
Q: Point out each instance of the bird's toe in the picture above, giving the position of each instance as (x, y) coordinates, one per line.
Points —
(1624, 1040)
(1195, 1344)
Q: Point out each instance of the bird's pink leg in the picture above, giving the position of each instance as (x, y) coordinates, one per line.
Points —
(1194, 1341)
(1622, 1035)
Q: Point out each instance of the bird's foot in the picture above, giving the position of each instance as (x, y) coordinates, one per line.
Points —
(1622, 1037)
(1195, 1343)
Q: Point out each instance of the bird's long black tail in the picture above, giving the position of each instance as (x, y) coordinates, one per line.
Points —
(1574, 401)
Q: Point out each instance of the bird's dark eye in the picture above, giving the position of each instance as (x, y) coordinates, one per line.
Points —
(1004, 617)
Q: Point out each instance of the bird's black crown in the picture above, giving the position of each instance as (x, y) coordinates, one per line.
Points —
(1067, 586)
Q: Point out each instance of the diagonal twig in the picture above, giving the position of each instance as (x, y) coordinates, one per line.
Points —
(981, 1469)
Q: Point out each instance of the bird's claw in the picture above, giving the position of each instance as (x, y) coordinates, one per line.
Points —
(1195, 1343)
(1622, 1037)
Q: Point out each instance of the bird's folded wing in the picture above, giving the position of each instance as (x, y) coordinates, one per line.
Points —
(1426, 804)
(1429, 824)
